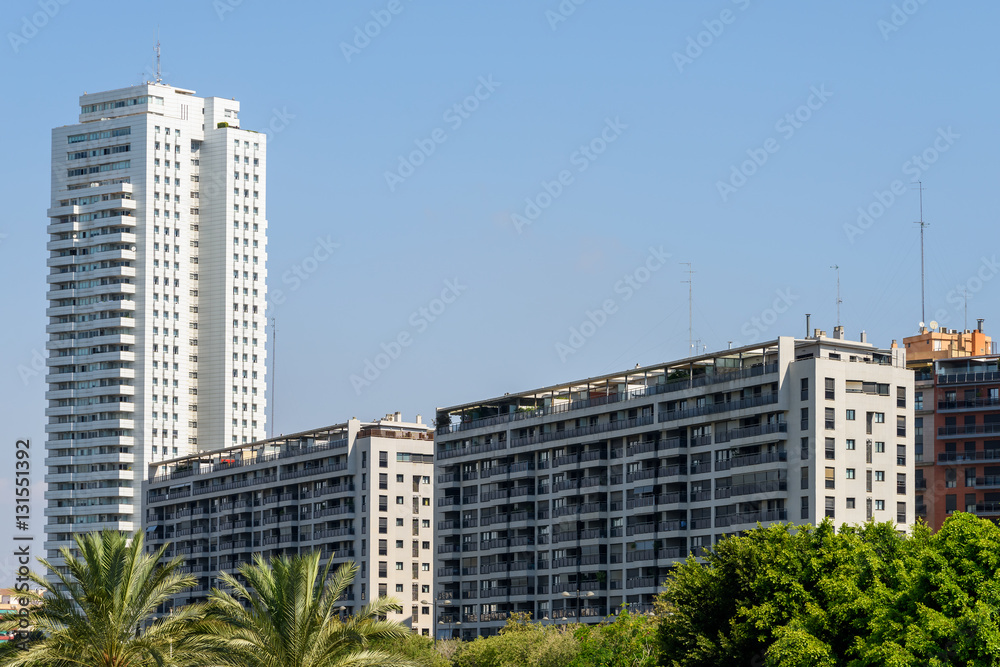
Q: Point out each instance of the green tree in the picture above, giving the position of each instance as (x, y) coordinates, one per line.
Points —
(286, 615)
(521, 643)
(786, 596)
(100, 612)
(628, 641)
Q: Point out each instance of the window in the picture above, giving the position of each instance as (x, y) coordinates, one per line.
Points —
(830, 481)
(804, 473)
(383, 525)
(900, 512)
(383, 570)
(879, 505)
(831, 448)
(399, 479)
(805, 508)
(879, 417)
(850, 415)
(850, 444)
(868, 481)
(970, 473)
(950, 481)
(804, 454)
(901, 483)
(804, 418)
(425, 567)
(918, 400)
(399, 522)
(901, 455)
(850, 473)
(399, 565)
(383, 547)
(830, 418)
(383, 481)
(900, 397)
(383, 459)
(879, 447)
(804, 389)
(831, 504)
(850, 503)
(425, 523)
(879, 475)
(426, 502)
(950, 503)
(829, 384)
(399, 588)
(383, 503)
(901, 426)
(399, 500)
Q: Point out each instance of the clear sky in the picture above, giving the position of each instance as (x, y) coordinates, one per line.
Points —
(532, 162)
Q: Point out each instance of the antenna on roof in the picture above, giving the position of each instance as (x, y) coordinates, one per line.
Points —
(920, 186)
(836, 268)
(690, 284)
(159, 79)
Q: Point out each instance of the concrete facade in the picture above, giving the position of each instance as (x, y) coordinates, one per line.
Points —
(357, 491)
(157, 290)
(571, 500)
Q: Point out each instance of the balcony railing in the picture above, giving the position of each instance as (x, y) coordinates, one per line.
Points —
(751, 431)
(652, 390)
(970, 403)
(976, 429)
(964, 378)
(715, 408)
(750, 460)
(751, 517)
(540, 438)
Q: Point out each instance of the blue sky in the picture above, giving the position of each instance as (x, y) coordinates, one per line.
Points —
(739, 136)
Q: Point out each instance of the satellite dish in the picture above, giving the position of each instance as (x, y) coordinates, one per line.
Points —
(921, 325)
(934, 324)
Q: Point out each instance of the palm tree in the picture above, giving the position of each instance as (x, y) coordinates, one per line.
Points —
(287, 615)
(92, 614)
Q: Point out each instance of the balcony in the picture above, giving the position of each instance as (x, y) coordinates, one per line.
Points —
(959, 457)
(760, 516)
(652, 390)
(655, 473)
(582, 431)
(750, 432)
(977, 429)
(968, 378)
(968, 404)
(750, 460)
(471, 450)
(715, 408)
(769, 486)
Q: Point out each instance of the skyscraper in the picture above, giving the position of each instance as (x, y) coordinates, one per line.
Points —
(156, 287)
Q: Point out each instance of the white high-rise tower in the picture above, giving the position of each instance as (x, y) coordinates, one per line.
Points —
(157, 286)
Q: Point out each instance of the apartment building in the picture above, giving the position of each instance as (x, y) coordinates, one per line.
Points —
(961, 472)
(356, 491)
(938, 469)
(157, 290)
(571, 500)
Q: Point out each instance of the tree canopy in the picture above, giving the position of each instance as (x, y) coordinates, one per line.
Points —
(786, 596)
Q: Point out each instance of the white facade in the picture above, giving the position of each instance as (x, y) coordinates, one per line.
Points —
(571, 500)
(357, 492)
(157, 288)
